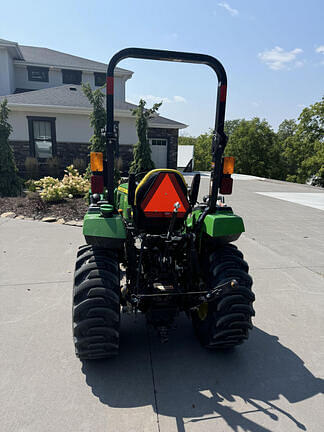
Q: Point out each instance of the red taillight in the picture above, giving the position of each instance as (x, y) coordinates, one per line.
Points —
(226, 185)
(97, 184)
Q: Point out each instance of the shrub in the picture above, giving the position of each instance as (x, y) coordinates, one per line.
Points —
(80, 165)
(10, 184)
(74, 183)
(30, 185)
(54, 193)
(32, 168)
(53, 166)
(51, 189)
(54, 190)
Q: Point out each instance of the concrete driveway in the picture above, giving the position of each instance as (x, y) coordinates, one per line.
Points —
(270, 383)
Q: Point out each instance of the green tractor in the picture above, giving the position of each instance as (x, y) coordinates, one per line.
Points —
(176, 252)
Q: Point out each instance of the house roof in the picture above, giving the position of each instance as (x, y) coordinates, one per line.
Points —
(13, 48)
(6, 41)
(72, 97)
(49, 57)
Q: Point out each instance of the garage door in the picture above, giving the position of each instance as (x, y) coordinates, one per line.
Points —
(159, 148)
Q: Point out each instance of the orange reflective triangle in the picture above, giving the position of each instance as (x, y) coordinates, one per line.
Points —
(164, 198)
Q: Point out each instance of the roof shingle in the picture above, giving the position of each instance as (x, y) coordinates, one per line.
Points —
(51, 57)
(72, 96)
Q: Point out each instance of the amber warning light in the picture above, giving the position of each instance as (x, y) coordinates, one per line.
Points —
(96, 161)
(228, 165)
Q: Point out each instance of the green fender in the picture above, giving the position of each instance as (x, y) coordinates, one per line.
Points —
(108, 232)
(223, 225)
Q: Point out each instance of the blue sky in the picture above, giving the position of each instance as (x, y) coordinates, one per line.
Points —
(273, 51)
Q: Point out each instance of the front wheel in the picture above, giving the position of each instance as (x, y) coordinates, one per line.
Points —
(226, 322)
(96, 303)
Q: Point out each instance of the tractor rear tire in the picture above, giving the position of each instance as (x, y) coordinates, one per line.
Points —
(226, 322)
(96, 303)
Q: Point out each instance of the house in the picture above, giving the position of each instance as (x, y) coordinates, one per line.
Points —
(50, 114)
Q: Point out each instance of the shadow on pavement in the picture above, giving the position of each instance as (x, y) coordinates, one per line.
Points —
(192, 383)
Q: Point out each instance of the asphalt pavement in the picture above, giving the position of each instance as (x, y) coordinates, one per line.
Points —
(273, 382)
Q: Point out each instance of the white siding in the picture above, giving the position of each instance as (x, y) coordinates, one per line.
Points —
(127, 131)
(6, 73)
(55, 79)
(74, 128)
(18, 121)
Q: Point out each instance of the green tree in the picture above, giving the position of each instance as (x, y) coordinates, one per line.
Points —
(97, 118)
(203, 152)
(255, 148)
(10, 184)
(142, 161)
(303, 151)
(230, 126)
(286, 129)
(187, 140)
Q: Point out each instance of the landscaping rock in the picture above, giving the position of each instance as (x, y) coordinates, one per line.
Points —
(8, 215)
(60, 221)
(74, 223)
(49, 219)
(20, 217)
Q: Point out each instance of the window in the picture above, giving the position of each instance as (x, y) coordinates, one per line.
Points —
(37, 73)
(159, 142)
(71, 76)
(100, 79)
(42, 137)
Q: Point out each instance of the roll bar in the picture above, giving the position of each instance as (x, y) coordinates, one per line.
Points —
(219, 138)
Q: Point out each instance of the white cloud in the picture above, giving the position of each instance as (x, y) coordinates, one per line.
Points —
(179, 99)
(320, 49)
(151, 99)
(226, 6)
(299, 63)
(278, 58)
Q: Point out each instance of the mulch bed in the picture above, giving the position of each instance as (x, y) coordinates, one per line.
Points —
(34, 207)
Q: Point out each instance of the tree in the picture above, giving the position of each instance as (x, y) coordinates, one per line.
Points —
(97, 118)
(10, 184)
(303, 150)
(255, 148)
(286, 129)
(230, 126)
(187, 140)
(142, 161)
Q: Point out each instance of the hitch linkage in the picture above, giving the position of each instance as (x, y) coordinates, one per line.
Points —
(218, 291)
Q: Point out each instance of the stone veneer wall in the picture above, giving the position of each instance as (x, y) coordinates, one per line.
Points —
(172, 136)
(66, 152)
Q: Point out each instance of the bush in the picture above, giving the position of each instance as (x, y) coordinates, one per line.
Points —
(55, 190)
(74, 183)
(10, 183)
(80, 165)
(30, 185)
(53, 166)
(32, 168)
(54, 193)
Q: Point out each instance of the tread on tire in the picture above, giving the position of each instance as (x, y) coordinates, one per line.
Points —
(228, 320)
(96, 303)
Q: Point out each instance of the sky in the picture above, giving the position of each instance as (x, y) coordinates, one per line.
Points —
(272, 50)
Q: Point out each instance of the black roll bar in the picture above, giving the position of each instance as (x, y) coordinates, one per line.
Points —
(219, 138)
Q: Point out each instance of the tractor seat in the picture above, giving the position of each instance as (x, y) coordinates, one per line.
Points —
(155, 197)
